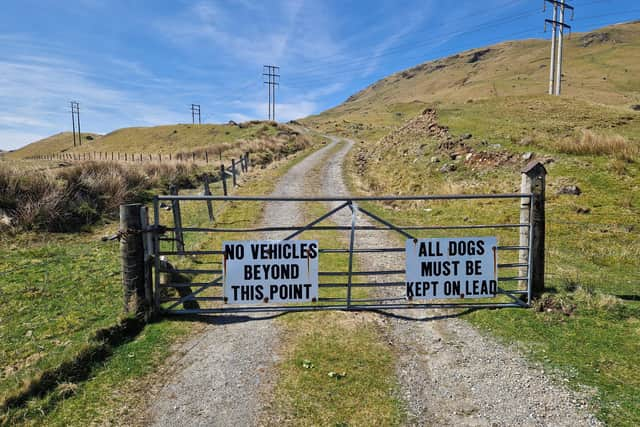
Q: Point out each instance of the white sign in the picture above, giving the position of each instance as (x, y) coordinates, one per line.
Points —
(452, 268)
(266, 271)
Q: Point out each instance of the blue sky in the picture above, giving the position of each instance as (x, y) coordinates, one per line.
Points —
(142, 63)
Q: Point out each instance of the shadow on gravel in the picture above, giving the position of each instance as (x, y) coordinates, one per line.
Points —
(426, 318)
(226, 319)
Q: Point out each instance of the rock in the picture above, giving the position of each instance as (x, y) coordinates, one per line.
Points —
(232, 123)
(635, 107)
(527, 156)
(4, 218)
(89, 138)
(466, 136)
(583, 210)
(435, 159)
(453, 156)
(468, 156)
(572, 190)
(496, 146)
(448, 167)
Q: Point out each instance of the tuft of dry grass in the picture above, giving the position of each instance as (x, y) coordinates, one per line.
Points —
(591, 143)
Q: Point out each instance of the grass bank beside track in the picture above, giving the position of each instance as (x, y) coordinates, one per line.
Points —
(60, 289)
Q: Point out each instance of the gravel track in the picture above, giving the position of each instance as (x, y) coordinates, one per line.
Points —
(219, 376)
(448, 372)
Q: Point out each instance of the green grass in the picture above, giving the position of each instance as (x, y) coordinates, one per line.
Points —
(60, 289)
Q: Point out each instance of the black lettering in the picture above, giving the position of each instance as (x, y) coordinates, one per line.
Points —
(255, 251)
(410, 289)
(286, 251)
(235, 292)
(480, 246)
(313, 251)
(233, 252)
(247, 272)
(259, 292)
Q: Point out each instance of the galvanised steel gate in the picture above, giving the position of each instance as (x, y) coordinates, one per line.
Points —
(361, 254)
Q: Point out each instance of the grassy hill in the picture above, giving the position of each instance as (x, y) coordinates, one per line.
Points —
(468, 124)
(158, 139)
(600, 69)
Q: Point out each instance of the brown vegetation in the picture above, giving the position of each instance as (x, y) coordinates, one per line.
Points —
(591, 143)
(79, 195)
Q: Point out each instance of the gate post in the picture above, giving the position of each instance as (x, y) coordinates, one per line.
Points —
(132, 256)
(534, 182)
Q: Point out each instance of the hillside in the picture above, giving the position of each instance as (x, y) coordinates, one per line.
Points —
(600, 69)
(157, 139)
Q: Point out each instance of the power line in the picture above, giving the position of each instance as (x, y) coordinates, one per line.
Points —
(301, 83)
(271, 72)
(195, 112)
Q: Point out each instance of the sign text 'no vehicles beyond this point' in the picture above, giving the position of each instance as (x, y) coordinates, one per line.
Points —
(443, 268)
(266, 271)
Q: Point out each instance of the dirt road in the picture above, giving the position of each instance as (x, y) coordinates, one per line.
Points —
(448, 372)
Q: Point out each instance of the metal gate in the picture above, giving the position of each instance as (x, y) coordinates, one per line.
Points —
(188, 231)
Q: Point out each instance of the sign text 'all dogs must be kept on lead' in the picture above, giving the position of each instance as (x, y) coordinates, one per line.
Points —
(270, 271)
(442, 268)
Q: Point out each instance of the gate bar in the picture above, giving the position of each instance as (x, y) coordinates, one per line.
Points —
(311, 224)
(347, 228)
(194, 197)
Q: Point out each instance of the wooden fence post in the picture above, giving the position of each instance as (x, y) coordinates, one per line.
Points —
(534, 182)
(233, 172)
(132, 256)
(246, 156)
(223, 177)
(207, 192)
(206, 157)
(177, 220)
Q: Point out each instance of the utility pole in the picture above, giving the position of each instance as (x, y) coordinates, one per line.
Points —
(272, 73)
(195, 112)
(73, 121)
(75, 116)
(557, 37)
